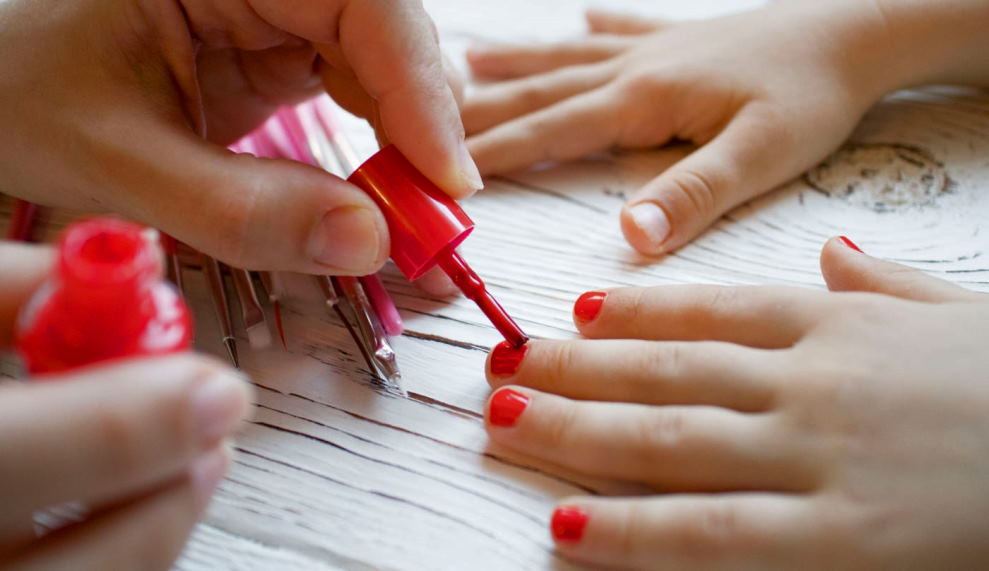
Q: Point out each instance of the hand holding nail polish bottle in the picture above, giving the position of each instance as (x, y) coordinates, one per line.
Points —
(106, 300)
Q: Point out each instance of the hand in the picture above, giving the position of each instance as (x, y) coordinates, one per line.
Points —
(788, 428)
(764, 94)
(139, 443)
(127, 106)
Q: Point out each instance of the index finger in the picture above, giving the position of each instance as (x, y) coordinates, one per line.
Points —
(393, 51)
(391, 48)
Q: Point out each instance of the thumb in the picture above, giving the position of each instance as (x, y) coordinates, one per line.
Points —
(248, 212)
(847, 268)
(746, 159)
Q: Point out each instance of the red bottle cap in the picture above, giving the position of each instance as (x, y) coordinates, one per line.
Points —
(423, 221)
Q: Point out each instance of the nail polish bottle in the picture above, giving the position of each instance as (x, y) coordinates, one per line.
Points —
(426, 226)
(105, 300)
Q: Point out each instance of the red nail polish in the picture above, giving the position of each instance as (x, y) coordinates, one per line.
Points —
(506, 358)
(588, 306)
(568, 524)
(107, 300)
(506, 407)
(850, 244)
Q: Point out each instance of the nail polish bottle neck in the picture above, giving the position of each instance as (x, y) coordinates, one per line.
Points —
(473, 288)
(104, 265)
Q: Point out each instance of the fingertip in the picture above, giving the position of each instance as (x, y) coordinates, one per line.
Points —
(588, 306)
(482, 60)
(505, 406)
(207, 472)
(504, 362)
(349, 240)
(646, 227)
(568, 523)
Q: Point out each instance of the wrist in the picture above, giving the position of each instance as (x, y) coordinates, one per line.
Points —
(923, 42)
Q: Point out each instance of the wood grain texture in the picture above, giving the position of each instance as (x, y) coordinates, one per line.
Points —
(335, 471)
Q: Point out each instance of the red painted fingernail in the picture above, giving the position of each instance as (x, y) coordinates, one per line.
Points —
(588, 306)
(850, 244)
(568, 524)
(506, 358)
(506, 407)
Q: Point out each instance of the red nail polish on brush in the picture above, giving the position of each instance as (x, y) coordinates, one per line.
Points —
(568, 523)
(426, 226)
(106, 300)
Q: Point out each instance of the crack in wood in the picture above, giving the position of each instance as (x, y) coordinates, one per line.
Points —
(429, 509)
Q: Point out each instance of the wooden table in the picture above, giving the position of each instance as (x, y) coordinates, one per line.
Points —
(334, 471)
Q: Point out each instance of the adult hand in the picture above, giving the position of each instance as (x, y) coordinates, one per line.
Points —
(787, 428)
(128, 106)
(139, 443)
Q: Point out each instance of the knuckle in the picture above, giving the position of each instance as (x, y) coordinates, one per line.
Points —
(709, 533)
(636, 306)
(560, 426)
(659, 433)
(560, 358)
(720, 300)
(642, 84)
(697, 189)
(119, 442)
(664, 361)
(234, 218)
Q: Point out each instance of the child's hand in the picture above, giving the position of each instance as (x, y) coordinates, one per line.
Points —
(790, 428)
(140, 443)
(126, 107)
(765, 94)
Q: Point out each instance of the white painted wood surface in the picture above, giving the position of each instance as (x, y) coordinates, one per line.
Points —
(336, 472)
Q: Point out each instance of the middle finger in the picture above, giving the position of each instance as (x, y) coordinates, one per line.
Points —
(494, 104)
(647, 372)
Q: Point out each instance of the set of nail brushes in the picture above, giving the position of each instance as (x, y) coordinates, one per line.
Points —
(306, 133)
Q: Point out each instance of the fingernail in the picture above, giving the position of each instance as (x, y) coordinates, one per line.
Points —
(218, 405)
(506, 358)
(348, 239)
(652, 222)
(568, 523)
(588, 306)
(506, 407)
(850, 244)
(207, 472)
(468, 170)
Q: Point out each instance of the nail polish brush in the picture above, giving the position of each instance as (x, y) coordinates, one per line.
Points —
(331, 149)
(218, 297)
(272, 287)
(22, 221)
(258, 335)
(361, 319)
